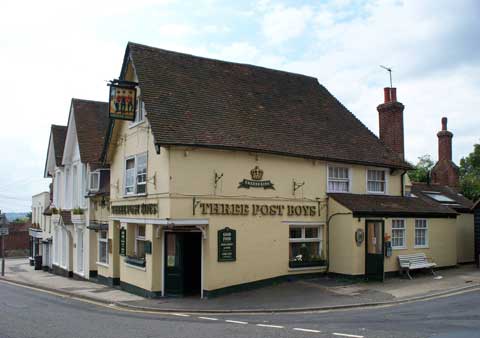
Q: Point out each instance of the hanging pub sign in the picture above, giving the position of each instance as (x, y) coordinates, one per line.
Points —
(256, 181)
(227, 245)
(122, 100)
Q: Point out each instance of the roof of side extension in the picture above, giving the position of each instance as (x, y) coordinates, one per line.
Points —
(428, 191)
(391, 206)
(195, 101)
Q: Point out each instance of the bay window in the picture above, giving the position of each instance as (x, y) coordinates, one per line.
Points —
(305, 247)
(338, 179)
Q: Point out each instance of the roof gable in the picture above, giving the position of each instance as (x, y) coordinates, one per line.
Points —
(55, 149)
(196, 101)
(88, 124)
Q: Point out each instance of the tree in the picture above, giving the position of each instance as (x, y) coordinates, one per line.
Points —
(29, 215)
(470, 174)
(422, 169)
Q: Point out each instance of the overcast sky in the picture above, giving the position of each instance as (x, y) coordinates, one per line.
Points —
(53, 51)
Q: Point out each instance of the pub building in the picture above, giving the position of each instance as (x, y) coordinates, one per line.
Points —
(226, 176)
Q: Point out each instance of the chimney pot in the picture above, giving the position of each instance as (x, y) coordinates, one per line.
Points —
(390, 94)
(444, 123)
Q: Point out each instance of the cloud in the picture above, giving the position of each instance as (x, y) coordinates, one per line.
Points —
(285, 23)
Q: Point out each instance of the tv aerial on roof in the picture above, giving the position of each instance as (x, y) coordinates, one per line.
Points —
(389, 70)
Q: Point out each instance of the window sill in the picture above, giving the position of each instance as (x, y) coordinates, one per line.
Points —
(134, 124)
(376, 192)
(399, 248)
(302, 265)
(135, 267)
(137, 262)
(338, 192)
(421, 247)
(134, 195)
(310, 268)
(105, 265)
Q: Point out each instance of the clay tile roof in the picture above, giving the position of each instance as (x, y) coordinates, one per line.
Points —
(195, 101)
(58, 134)
(461, 203)
(91, 121)
(391, 206)
(66, 217)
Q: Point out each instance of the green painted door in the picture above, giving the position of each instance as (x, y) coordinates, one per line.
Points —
(173, 263)
(374, 250)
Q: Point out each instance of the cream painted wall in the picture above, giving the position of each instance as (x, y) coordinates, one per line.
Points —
(441, 242)
(193, 171)
(346, 257)
(465, 238)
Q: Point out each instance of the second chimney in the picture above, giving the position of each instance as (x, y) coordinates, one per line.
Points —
(390, 118)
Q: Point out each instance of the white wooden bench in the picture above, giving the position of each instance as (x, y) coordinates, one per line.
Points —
(413, 262)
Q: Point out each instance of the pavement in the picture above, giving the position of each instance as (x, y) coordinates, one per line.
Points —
(291, 296)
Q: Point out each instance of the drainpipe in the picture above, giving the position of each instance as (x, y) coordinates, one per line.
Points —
(329, 218)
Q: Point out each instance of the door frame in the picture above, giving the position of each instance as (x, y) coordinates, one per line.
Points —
(202, 239)
(368, 220)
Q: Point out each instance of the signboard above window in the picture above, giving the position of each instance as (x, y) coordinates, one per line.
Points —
(122, 100)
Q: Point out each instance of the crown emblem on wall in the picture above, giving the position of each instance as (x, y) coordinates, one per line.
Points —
(256, 173)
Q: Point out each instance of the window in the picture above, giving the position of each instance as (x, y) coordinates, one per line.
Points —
(439, 197)
(94, 182)
(421, 233)
(139, 111)
(140, 241)
(103, 246)
(338, 179)
(142, 174)
(136, 175)
(398, 234)
(305, 246)
(376, 181)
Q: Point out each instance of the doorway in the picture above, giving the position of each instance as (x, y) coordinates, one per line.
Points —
(183, 263)
(374, 250)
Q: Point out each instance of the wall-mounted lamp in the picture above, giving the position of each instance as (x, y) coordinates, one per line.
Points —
(157, 148)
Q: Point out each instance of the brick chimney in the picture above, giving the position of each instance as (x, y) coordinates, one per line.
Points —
(390, 118)
(445, 172)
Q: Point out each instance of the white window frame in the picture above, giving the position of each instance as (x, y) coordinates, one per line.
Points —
(404, 246)
(135, 176)
(426, 245)
(349, 170)
(139, 113)
(90, 180)
(304, 239)
(102, 241)
(139, 238)
(385, 182)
